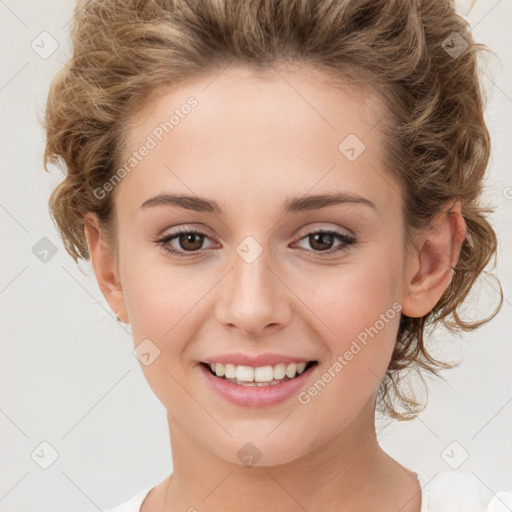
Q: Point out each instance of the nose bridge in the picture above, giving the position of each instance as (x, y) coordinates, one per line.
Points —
(252, 297)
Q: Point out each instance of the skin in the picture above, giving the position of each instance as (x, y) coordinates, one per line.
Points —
(253, 141)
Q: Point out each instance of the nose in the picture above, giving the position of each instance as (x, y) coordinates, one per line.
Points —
(254, 299)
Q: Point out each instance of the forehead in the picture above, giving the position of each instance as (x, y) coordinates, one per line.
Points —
(281, 130)
(238, 94)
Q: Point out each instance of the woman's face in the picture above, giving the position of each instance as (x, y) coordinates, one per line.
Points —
(259, 281)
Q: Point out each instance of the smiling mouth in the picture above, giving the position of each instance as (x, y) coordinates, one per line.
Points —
(254, 380)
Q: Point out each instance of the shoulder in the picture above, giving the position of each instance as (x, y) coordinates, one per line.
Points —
(133, 504)
(451, 491)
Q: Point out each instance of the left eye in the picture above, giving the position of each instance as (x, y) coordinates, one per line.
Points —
(191, 241)
(322, 238)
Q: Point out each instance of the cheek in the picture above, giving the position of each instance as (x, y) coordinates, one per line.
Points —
(159, 309)
(155, 292)
(353, 296)
(159, 303)
(358, 306)
(357, 311)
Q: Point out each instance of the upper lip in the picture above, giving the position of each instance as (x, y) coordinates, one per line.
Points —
(266, 359)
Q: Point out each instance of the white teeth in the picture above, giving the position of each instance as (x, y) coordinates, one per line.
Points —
(279, 371)
(259, 375)
(245, 373)
(218, 369)
(229, 370)
(291, 370)
(263, 374)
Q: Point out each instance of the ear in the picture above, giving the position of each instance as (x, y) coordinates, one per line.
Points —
(430, 265)
(105, 266)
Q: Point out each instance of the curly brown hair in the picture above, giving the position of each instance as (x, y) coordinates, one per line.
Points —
(126, 53)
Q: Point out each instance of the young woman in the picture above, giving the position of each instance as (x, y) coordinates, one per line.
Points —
(281, 198)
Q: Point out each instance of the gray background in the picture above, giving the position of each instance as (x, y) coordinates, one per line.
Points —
(69, 377)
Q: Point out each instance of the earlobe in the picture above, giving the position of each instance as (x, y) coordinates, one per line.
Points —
(431, 266)
(104, 265)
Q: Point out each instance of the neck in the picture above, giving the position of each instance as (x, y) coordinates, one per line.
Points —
(349, 469)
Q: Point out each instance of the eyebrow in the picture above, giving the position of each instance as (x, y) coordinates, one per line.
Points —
(298, 204)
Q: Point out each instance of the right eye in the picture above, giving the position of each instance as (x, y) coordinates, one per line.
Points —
(190, 241)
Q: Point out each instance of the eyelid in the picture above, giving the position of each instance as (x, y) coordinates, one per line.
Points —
(347, 238)
(347, 241)
(323, 227)
(196, 228)
(305, 231)
(178, 231)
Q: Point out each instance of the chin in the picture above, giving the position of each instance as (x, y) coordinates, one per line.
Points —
(261, 451)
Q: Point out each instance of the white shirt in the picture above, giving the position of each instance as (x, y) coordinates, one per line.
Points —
(447, 491)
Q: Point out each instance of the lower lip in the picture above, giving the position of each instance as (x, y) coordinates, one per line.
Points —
(256, 396)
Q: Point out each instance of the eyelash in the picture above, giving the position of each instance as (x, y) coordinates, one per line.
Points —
(348, 241)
